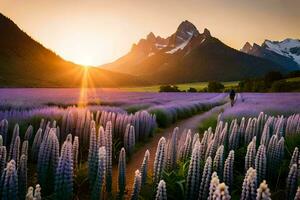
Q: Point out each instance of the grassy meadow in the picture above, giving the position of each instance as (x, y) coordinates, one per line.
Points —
(181, 86)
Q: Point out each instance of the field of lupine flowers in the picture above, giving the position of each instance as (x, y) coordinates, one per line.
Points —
(47, 139)
(252, 158)
(53, 148)
(38, 97)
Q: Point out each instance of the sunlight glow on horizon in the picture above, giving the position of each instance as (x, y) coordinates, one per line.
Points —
(94, 32)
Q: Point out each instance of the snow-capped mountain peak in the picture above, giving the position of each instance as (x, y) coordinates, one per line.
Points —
(288, 48)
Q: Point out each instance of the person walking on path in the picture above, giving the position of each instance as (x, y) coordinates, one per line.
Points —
(232, 96)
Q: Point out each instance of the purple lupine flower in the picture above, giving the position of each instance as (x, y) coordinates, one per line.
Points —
(3, 156)
(75, 152)
(261, 163)
(213, 185)
(159, 161)
(295, 157)
(64, 171)
(218, 163)
(93, 157)
(172, 150)
(101, 137)
(228, 170)
(122, 172)
(9, 182)
(234, 137)
(187, 147)
(24, 149)
(161, 193)
(250, 155)
(291, 183)
(15, 153)
(100, 178)
(206, 177)
(36, 144)
(249, 185)
(28, 133)
(108, 148)
(221, 192)
(263, 192)
(4, 130)
(47, 161)
(144, 167)
(136, 186)
(22, 176)
(193, 177)
(13, 141)
(129, 139)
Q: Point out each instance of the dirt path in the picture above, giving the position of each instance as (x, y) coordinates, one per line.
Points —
(137, 158)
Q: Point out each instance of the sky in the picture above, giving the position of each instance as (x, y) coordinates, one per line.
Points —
(94, 32)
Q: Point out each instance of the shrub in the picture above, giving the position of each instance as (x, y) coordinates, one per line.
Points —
(163, 118)
(280, 86)
(169, 88)
(214, 86)
(191, 89)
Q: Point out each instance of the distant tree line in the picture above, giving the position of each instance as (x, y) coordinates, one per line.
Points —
(272, 82)
(213, 86)
(169, 88)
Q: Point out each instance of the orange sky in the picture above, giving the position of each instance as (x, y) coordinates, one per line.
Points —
(94, 32)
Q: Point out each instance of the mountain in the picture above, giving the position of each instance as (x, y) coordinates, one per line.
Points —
(26, 63)
(143, 49)
(285, 53)
(188, 56)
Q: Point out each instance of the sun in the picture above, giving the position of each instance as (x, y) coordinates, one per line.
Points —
(84, 59)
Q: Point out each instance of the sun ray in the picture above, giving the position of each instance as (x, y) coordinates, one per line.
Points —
(87, 89)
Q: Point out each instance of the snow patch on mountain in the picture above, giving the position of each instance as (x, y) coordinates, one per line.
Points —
(160, 46)
(151, 54)
(180, 47)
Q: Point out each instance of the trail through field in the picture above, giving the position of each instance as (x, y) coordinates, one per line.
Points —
(138, 156)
